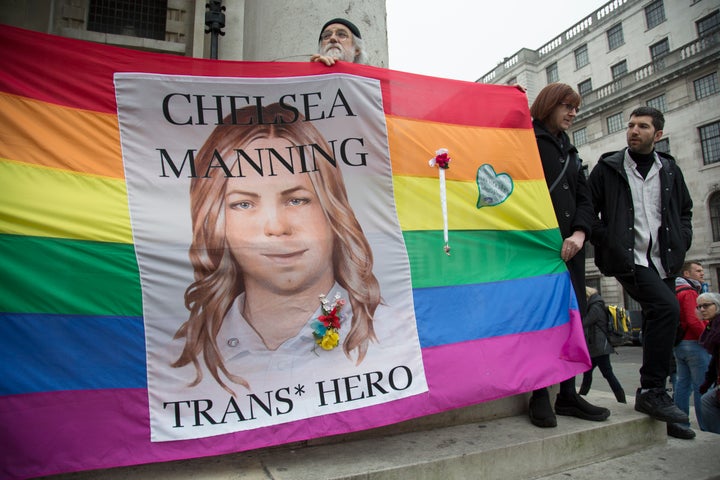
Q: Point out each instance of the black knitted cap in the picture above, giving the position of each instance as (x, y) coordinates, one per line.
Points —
(341, 21)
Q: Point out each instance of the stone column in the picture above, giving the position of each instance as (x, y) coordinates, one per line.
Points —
(288, 30)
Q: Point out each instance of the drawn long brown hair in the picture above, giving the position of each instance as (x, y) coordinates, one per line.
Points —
(218, 277)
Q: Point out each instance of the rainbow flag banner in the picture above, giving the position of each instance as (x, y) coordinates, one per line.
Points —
(203, 257)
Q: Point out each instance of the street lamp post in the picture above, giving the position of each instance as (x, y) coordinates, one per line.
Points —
(214, 23)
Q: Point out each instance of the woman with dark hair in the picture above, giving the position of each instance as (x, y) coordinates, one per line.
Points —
(274, 236)
(553, 112)
(708, 307)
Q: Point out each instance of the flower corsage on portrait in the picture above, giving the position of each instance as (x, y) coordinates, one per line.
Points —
(326, 328)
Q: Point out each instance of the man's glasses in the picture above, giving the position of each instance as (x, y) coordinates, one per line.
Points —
(340, 34)
(703, 306)
(570, 108)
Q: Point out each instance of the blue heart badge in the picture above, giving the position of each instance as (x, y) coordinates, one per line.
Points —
(493, 188)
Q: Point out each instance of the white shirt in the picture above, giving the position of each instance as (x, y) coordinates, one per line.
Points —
(647, 208)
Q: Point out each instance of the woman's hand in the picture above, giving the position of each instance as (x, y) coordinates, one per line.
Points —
(572, 245)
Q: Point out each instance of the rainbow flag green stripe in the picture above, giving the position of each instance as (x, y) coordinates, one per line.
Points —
(61, 276)
(497, 255)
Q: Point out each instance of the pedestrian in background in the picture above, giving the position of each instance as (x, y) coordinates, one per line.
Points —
(690, 357)
(708, 307)
(599, 347)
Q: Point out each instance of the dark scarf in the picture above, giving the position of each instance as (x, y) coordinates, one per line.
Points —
(644, 161)
(710, 338)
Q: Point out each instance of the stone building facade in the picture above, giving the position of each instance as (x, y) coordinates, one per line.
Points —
(630, 53)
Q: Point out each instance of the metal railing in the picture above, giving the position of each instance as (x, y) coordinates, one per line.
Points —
(674, 60)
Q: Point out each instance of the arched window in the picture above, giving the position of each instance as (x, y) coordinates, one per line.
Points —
(714, 205)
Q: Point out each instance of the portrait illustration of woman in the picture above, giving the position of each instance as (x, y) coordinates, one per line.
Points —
(272, 230)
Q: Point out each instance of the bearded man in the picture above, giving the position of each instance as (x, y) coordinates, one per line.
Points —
(339, 40)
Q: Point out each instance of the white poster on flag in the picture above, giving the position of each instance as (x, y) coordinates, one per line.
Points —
(275, 282)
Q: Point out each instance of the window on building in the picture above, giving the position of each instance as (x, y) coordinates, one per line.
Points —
(592, 282)
(709, 24)
(706, 86)
(714, 204)
(585, 87)
(135, 18)
(710, 143)
(615, 123)
(663, 145)
(552, 73)
(580, 137)
(619, 69)
(615, 37)
(655, 14)
(659, 49)
(581, 57)
(658, 103)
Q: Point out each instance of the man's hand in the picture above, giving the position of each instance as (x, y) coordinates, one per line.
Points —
(329, 61)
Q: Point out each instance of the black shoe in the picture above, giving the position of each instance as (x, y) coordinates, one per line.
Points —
(658, 404)
(584, 389)
(620, 396)
(680, 431)
(541, 414)
(576, 406)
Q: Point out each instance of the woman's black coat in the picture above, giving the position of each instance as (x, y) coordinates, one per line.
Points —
(570, 198)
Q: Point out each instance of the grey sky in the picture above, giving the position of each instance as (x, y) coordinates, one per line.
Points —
(464, 39)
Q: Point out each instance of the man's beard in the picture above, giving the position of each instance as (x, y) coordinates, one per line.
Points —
(336, 51)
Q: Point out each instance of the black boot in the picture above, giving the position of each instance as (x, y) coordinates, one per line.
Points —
(584, 389)
(680, 431)
(574, 405)
(540, 411)
(657, 403)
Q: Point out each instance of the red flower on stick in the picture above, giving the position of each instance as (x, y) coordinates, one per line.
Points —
(443, 160)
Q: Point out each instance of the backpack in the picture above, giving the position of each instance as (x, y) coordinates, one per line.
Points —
(619, 326)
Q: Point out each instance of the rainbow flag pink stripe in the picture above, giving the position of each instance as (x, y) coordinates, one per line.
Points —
(496, 319)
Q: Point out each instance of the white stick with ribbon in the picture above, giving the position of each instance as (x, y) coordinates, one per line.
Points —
(442, 161)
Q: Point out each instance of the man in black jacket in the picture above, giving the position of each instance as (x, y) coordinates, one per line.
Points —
(641, 236)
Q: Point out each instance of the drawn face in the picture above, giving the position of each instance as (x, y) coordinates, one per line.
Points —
(276, 228)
